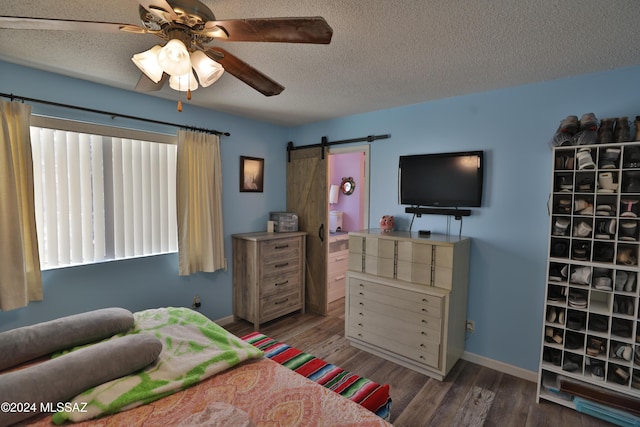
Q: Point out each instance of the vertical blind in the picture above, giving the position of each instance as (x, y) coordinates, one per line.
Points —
(100, 198)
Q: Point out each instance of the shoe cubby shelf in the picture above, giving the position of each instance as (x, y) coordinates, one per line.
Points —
(592, 316)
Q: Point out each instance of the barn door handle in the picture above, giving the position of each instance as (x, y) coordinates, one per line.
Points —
(321, 232)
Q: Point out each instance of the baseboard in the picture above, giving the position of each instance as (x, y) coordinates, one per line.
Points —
(224, 321)
(525, 374)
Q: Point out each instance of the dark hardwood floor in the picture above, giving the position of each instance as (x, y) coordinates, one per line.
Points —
(469, 393)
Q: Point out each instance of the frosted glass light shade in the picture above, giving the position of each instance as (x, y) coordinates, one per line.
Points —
(147, 62)
(184, 82)
(207, 69)
(174, 58)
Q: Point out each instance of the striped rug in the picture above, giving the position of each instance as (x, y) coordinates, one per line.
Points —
(371, 395)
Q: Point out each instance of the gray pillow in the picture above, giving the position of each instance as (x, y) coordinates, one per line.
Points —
(29, 342)
(63, 378)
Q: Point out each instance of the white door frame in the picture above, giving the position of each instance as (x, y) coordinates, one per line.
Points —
(365, 186)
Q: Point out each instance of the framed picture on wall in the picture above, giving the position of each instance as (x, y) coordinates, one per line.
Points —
(251, 174)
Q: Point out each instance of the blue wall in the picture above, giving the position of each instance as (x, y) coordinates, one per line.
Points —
(152, 281)
(509, 246)
(509, 232)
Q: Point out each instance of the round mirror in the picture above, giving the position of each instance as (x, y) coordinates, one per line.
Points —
(347, 186)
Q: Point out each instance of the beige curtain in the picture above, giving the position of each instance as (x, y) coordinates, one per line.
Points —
(20, 278)
(199, 203)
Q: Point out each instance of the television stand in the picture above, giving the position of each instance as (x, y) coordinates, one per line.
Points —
(439, 211)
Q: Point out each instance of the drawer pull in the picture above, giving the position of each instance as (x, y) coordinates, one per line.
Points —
(360, 335)
(425, 310)
(360, 324)
(339, 278)
(422, 357)
(339, 258)
(360, 293)
(284, 264)
(423, 333)
(422, 345)
(361, 303)
(424, 321)
(281, 246)
(425, 300)
(281, 283)
(361, 285)
(360, 314)
(281, 302)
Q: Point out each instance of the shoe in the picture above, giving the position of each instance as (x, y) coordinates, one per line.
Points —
(605, 131)
(628, 208)
(569, 125)
(585, 137)
(551, 315)
(588, 121)
(620, 375)
(605, 228)
(637, 124)
(626, 256)
(622, 132)
(598, 323)
(632, 154)
(595, 346)
(621, 279)
(597, 373)
(606, 183)
(582, 229)
(564, 183)
(585, 185)
(557, 273)
(576, 300)
(610, 158)
(583, 207)
(560, 227)
(576, 320)
(584, 159)
(581, 276)
(628, 230)
(560, 249)
(581, 251)
(630, 284)
(552, 335)
(602, 283)
(631, 180)
(605, 210)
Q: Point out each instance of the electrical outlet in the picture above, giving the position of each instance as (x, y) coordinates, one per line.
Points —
(196, 302)
(471, 326)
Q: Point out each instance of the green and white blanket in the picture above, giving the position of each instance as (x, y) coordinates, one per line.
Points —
(194, 348)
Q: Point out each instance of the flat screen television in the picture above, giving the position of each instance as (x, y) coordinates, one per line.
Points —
(447, 180)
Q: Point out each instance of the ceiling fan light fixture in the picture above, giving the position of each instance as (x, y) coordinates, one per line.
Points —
(147, 62)
(208, 70)
(183, 83)
(174, 58)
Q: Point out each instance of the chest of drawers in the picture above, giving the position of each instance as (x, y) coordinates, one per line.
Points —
(407, 298)
(268, 275)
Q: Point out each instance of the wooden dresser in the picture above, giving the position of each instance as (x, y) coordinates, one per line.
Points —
(406, 298)
(268, 275)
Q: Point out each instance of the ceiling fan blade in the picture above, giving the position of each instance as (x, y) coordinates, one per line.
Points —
(23, 23)
(159, 4)
(245, 72)
(280, 30)
(145, 84)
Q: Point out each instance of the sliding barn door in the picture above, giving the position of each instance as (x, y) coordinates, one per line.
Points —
(307, 197)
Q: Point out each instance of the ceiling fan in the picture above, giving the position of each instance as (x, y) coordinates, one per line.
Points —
(189, 27)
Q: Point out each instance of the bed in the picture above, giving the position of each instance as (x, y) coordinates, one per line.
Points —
(237, 386)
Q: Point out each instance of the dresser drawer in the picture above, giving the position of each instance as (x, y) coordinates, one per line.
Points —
(359, 307)
(278, 304)
(336, 286)
(280, 282)
(404, 331)
(404, 299)
(338, 244)
(379, 266)
(277, 250)
(414, 272)
(338, 262)
(422, 352)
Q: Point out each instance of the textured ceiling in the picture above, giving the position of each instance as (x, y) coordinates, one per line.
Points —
(383, 54)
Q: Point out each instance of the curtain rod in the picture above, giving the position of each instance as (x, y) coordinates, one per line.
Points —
(125, 116)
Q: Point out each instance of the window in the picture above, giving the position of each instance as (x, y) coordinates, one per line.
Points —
(102, 197)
